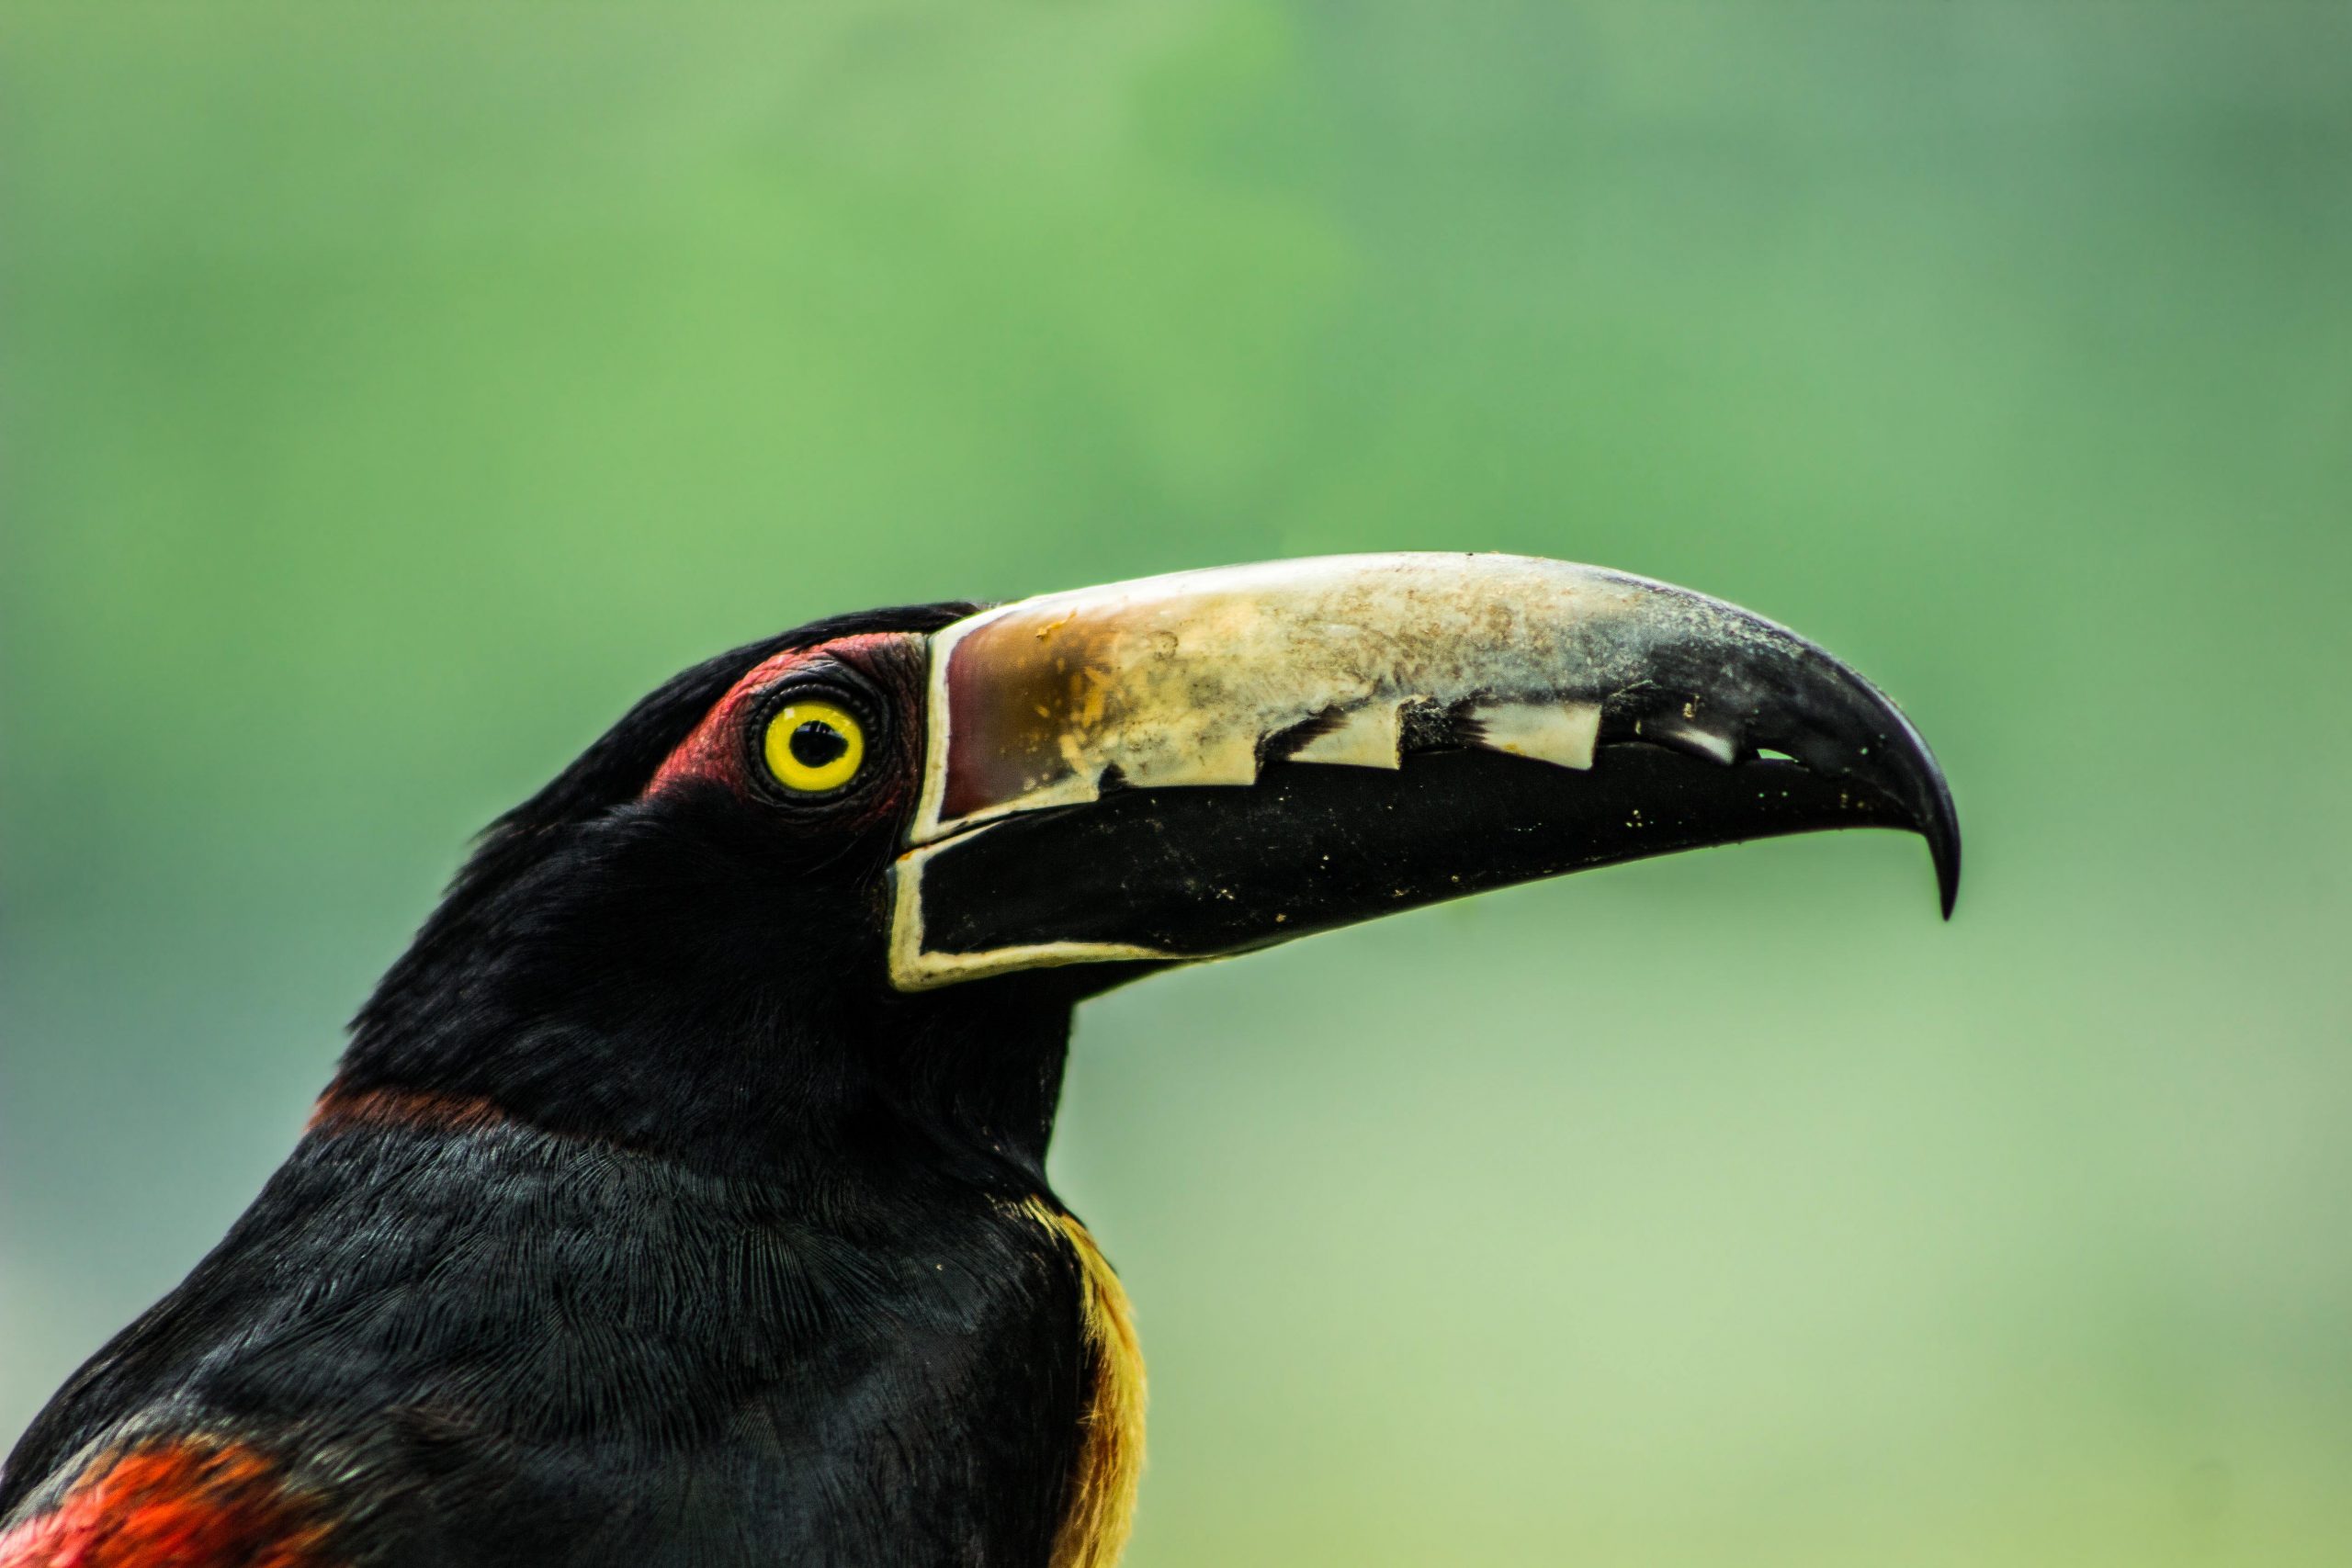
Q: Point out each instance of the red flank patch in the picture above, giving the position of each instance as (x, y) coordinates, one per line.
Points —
(176, 1503)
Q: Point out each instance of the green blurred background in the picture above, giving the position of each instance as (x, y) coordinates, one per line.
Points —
(393, 393)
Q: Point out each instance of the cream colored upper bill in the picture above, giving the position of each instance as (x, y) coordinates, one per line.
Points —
(1178, 680)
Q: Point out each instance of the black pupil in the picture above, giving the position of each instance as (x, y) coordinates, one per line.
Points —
(816, 743)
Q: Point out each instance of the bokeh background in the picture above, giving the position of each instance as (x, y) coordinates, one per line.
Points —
(393, 393)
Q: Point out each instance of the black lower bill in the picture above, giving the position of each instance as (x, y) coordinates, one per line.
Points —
(1197, 872)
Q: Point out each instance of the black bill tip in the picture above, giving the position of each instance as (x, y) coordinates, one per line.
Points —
(1842, 728)
(1941, 823)
(1719, 681)
(1916, 786)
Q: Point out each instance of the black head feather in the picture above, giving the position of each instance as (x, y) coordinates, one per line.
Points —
(614, 771)
(674, 971)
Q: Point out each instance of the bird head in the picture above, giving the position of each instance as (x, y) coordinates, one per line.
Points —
(839, 889)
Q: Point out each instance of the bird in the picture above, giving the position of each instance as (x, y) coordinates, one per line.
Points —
(680, 1195)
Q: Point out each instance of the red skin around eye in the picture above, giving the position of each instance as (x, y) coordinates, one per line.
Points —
(717, 750)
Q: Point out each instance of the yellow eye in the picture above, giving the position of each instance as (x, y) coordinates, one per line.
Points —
(813, 746)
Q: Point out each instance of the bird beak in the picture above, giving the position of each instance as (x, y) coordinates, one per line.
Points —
(1189, 766)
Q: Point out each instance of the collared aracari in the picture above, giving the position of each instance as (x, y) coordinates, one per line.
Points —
(681, 1196)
